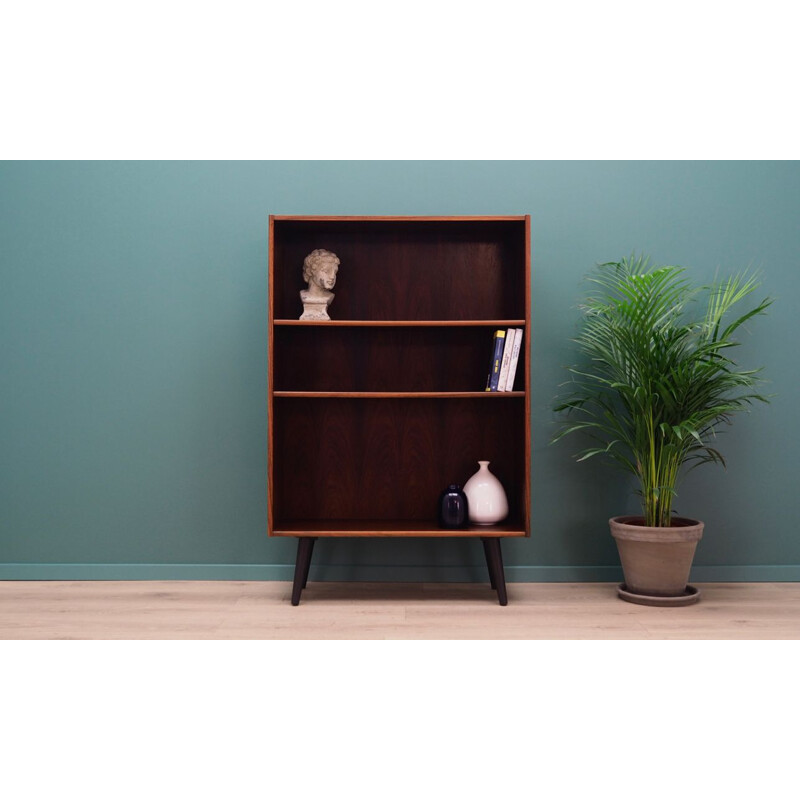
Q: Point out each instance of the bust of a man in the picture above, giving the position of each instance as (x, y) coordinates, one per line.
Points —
(319, 272)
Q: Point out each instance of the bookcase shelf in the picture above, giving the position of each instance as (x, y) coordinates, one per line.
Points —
(484, 394)
(399, 323)
(390, 527)
(404, 359)
(373, 413)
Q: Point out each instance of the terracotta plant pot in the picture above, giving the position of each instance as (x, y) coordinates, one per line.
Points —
(656, 561)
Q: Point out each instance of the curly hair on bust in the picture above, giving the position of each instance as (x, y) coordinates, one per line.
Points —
(312, 259)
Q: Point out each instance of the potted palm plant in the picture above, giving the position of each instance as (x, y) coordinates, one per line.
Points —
(656, 383)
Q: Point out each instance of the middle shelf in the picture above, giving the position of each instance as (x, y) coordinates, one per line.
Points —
(385, 361)
(377, 395)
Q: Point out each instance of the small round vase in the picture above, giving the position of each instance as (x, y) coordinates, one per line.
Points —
(487, 498)
(453, 506)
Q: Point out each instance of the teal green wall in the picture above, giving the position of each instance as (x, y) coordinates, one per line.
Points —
(133, 325)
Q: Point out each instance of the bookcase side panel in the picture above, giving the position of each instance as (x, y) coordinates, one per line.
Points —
(270, 374)
(527, 374)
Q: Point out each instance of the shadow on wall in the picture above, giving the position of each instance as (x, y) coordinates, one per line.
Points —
(434, 560)
(587, 494)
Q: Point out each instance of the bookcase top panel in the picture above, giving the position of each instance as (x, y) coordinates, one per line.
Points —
(346, 218)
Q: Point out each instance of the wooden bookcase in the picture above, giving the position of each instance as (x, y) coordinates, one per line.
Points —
(374, 413)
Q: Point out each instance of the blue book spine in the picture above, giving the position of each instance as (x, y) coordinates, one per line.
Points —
(497, 358)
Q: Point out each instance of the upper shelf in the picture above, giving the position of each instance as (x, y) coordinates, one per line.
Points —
(377, 323)
(407, 269)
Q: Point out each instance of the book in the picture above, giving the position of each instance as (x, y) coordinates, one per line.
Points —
(497, 357)
(506, 362)
(515, 351)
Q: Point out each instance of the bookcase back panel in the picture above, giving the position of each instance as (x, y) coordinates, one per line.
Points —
(407, 270)
(424, 359)
(390, 458)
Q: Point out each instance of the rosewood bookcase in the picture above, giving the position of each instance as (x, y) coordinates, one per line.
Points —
(373, 413)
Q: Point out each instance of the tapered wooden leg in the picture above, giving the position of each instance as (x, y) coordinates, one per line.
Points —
(501, 580)
(305, 544)
(496, 560)
(488, 562)
(308, 560)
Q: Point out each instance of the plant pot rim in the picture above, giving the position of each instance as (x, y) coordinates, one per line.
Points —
(630, 527)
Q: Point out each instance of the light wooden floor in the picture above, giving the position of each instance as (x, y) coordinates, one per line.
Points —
(261, 610)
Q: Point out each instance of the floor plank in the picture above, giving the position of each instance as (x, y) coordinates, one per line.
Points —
(262, 610)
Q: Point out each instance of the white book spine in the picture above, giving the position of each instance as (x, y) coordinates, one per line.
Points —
(512, 369)
(506, 362)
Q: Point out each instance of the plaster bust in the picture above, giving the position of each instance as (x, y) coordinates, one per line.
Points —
(319, 272)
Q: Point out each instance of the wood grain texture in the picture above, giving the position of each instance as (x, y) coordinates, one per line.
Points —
(167, 610)
(374, 413)
(271, 373)
(401, 323)
(418, 218)
(527, 377)
(452, 270)
(343, 458)
(393, 527)
(382, 359)
(377, 395)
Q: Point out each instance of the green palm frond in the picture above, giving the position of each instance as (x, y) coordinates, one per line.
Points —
(656, 382)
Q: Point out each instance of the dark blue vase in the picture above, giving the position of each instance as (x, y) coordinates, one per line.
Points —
(453, 508)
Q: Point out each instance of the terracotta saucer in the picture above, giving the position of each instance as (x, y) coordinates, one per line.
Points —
(690, 595)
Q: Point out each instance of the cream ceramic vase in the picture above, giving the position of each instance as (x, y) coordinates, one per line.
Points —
(486, 497)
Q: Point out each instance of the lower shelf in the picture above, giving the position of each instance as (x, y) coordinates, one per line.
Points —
(367, 461)
(389, 527)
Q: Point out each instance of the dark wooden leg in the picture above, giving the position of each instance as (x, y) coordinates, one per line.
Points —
(488, 561)
(501, 572)
(305, 544)
(496, 559)
(308, 560)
